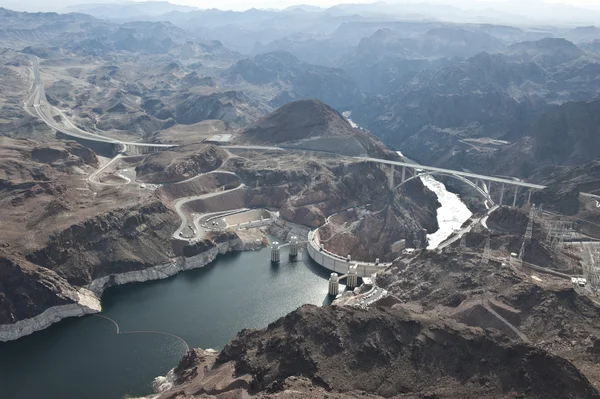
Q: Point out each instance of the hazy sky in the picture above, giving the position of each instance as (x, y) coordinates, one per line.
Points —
(45, 5)
(245, 4)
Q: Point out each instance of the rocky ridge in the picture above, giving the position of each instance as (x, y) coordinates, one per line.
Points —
(313, 125)
(340, 352)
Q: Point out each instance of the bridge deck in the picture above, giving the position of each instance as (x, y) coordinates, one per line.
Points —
(456, 172)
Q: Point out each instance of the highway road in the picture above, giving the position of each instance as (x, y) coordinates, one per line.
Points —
(36, 105)
(455, 172)
(36, 102)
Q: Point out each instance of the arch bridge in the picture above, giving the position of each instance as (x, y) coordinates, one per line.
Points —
(481, 183)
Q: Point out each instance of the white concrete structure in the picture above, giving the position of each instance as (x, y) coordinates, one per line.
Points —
(275, 252)
(218, 139)
(578, 281)
(294, 247)
(334, 285)
(337, 263)
(352, 279)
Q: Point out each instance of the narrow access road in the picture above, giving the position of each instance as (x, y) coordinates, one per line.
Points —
(468, 228)
(93, 178)
(197, 231)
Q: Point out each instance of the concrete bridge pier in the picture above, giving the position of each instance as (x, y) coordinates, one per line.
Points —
(275, 252)
(529, 196)
(294, 247)
(403, 174)
(334, 285)
(391, 178)
(352, 279)
(515, 197)
(501, 194)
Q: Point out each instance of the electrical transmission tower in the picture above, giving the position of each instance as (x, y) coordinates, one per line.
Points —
(556, 233)
(522, 252)
(591, 271)
(485, 257)
(416, 240)
(560, 234)
(529, 231)
(549, 235)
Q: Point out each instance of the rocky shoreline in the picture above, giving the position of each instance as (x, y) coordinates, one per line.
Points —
(339, 352)
(88, 297)
(87, 303)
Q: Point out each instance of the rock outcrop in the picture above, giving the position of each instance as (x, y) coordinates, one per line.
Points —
(180, 163)
(340, 352)
(313, 125)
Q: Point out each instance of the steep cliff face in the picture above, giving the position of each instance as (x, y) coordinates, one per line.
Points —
(410, 216)
(339, 352)
(307, 188)
(118, 241)
(60, 233)
(568, 134)
(122, 240)
(23, 285)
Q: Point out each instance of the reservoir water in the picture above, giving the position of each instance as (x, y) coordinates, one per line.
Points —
(85, 358)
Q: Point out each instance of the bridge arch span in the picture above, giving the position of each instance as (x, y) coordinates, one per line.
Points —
(457, 177)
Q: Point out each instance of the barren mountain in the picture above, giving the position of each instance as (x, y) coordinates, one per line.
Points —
(58, 228)
(563, 137)
(384, 60)
(339, 352)
(180, 163)
(504, 297)
(310, 124)
(296, 80)
(498, 96)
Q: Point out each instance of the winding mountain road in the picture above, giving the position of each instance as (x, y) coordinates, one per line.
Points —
(93, 178)
(196, 230)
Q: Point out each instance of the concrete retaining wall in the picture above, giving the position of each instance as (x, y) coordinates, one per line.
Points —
(246, 217)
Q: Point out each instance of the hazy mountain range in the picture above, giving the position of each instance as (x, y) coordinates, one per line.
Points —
(411, 82)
